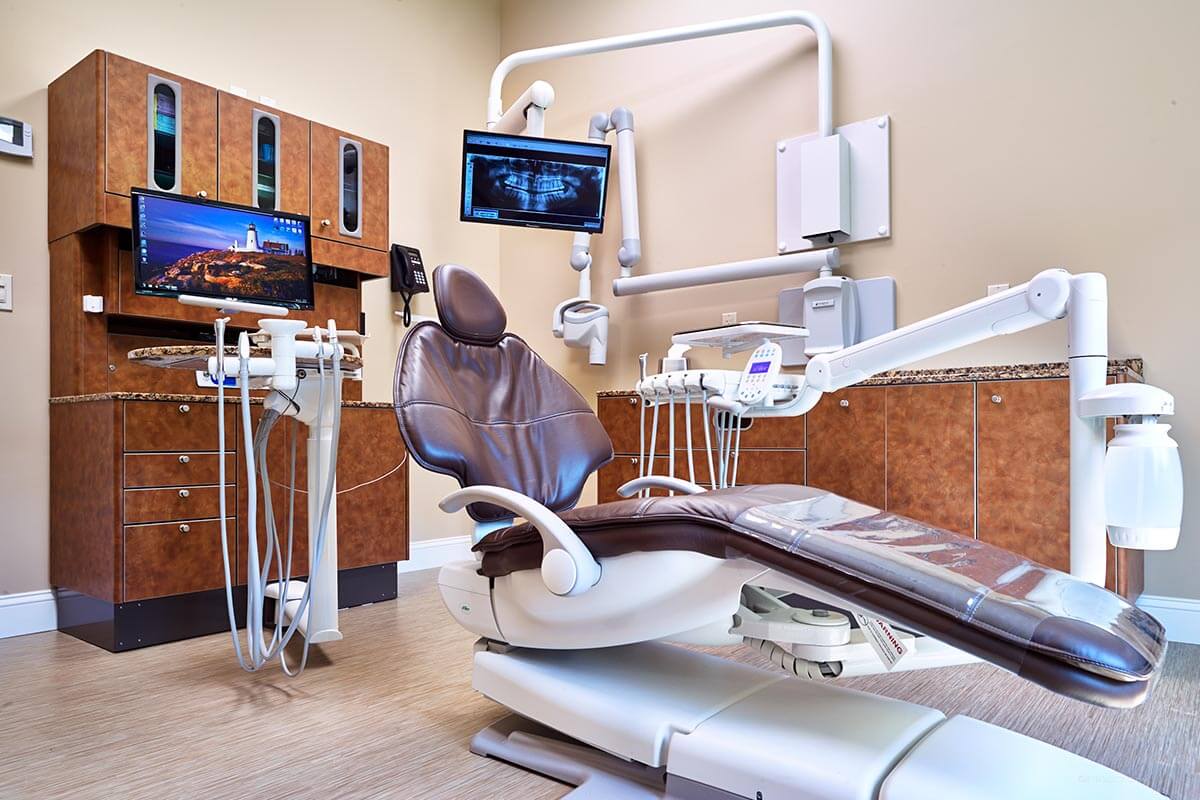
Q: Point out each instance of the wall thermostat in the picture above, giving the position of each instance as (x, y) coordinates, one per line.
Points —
(16, 138)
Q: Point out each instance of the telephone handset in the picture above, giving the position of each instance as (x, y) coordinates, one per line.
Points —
(408, 276)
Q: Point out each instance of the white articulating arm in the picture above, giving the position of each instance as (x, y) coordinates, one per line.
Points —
(630, 488)
(568, 567)
(1040, 300)
(495, 106)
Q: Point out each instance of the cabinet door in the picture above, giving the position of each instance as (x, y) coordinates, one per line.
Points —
(349, 188)
(372, 499)
(613, 475)
(1024, 468)
(154, 116)
(931, 454)
(846, 445)
(264, 156)
(769, 466)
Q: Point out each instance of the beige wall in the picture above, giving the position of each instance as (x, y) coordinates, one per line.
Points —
(409, 74)
(1026, 134)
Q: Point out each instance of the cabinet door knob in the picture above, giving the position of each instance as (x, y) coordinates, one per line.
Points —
(633, 461)
(633, 401)
(184, 528)
(184, 459)
(325, 223)
(202, 194)
(997, 399)
(184, 493)
(184, 408)
(844, 403)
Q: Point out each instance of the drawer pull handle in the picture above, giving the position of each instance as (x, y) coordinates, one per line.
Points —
(184, 459)
(997, 399)
(202, 194)
(184, 408)
(184, 493)
(844, 403)
(633, 461)
(184, 528)
(325, 223)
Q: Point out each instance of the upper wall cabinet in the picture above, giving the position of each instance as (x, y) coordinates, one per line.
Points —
(349, 188)
(115, 124)
(160, 131)
(264, 156)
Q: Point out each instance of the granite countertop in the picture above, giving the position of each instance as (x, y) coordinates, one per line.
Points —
(1129, 367)
(195, 356)
(231, 396)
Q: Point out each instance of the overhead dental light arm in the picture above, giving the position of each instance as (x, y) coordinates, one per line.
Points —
(527, 114)
(495, 106)
(568, 567)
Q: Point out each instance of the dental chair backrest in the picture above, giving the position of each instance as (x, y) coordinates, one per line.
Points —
(478, 404)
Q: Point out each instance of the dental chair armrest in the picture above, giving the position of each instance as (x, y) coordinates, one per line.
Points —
(567, 565)
(630, 488)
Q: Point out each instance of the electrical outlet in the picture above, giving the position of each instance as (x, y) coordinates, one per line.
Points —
(996, 288)
(729, 318)
(6, 289)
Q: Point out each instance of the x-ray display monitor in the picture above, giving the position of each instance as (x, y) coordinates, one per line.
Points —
(183, 245)
(534, 182)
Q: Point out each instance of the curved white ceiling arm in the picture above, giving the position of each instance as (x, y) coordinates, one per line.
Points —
(805, 19)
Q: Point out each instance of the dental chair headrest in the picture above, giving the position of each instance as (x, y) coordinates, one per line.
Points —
(466, 306)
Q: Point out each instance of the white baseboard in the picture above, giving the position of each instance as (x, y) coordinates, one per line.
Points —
(433, 553)
(27, 612)
(1180, 616)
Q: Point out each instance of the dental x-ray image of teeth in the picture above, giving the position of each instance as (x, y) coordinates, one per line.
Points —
(536, 185)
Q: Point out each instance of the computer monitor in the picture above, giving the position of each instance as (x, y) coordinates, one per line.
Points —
(534, 182)
(185, 245)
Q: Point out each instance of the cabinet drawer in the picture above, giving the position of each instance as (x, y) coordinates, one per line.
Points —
(162, 505)
(176, 469)
(174, 558)
(153, 425)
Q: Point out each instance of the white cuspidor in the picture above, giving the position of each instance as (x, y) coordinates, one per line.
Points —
(1143, 487)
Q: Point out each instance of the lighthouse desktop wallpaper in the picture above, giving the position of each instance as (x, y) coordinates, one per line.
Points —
(181, 246)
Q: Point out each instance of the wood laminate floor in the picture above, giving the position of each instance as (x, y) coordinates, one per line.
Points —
(388, 713)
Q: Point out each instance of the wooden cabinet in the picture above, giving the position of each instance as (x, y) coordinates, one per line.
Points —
(349, 188)
(930, 454)
(115, 124)
(135, 512)
(846, 443)
(1024, 468)
(160, 131)
(372, 500)
(613, 475)
(264, 156)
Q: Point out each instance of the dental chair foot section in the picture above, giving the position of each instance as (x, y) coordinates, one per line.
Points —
(653, 720)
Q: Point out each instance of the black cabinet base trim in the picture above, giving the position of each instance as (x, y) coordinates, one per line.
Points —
(117, 627)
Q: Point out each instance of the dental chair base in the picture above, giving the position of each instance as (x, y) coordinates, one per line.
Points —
(654, 720)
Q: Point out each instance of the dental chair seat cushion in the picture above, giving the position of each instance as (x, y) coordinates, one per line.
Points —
(1063, 633)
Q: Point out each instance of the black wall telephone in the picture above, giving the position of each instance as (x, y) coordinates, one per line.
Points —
(408, 277)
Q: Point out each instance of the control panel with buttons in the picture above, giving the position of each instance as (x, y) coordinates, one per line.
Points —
(760, 373)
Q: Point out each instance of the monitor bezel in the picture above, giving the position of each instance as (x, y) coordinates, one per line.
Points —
(135, 228)
(462, 190)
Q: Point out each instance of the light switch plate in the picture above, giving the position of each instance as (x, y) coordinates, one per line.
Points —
(6, 290)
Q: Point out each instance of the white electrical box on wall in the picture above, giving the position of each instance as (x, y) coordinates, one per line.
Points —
(833, 190)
